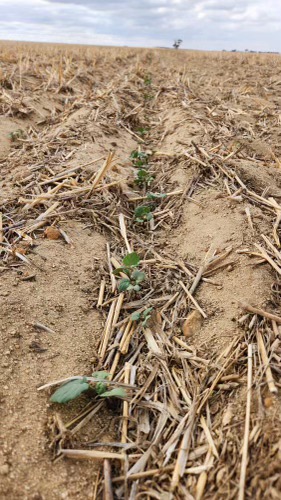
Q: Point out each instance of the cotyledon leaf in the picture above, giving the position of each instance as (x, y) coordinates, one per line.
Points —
(70, 390)
(118, 392)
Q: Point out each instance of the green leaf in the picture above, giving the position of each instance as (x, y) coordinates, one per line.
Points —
(118, 392)
(146, 316)
(120, 270)
(141, 211)
(147, 311)
(135, 316)
(146, 319)
(124, 284)
(100, 386)
(142, 131)
(155, 196)
(102, 375)
(131, 260)
(139, 155)
(143, 178)
(138, 276)
(140, 164)
(117, 271)
(69, 391)
(142, 174)
(134, 154)
(147, 80)
(136, 288)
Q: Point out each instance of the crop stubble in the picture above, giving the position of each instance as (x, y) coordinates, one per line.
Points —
(202, 418)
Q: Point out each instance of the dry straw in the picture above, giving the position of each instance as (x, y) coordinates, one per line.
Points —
(178, 436)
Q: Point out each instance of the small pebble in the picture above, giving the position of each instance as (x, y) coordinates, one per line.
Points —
(268, 402)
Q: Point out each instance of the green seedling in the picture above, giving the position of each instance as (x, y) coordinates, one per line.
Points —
(139, 158)
(147, 80)
(74, 388)
(134, 276)
(17, 134)
(140, 164)
(143, 214)
(140, 155)
(143, 316)
(101, 386)
(143, 179)
(142, 131)
(71, 390)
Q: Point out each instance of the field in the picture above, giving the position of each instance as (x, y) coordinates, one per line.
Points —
(174, 156)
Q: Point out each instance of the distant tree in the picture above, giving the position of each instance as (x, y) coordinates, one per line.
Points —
(177, 43)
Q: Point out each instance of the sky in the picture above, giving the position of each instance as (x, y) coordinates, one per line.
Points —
(201, 24)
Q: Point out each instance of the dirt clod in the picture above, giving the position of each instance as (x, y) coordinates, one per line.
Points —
(192, 324)
(52, 233)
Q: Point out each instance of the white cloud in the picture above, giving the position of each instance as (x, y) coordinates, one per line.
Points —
(202, 24)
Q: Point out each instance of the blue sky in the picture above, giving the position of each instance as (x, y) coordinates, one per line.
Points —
(202, 24)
